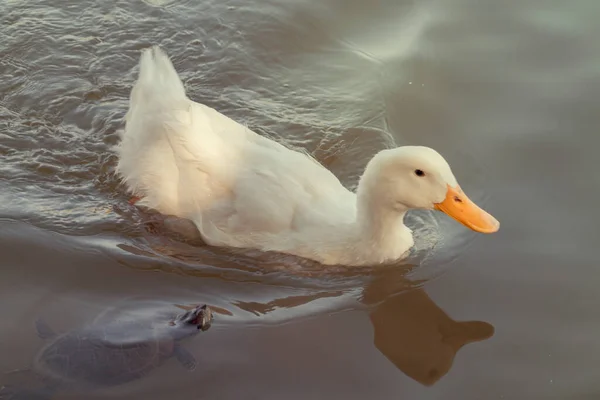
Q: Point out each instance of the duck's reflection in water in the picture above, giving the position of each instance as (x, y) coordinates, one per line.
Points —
(419, 338)
(413, 332)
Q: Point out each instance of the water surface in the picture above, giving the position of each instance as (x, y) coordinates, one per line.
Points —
(506, 91)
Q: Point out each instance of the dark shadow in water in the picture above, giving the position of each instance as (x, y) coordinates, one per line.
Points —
(416, 335)
(419, 338)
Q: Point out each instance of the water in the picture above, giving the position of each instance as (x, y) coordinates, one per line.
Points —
(506, 91)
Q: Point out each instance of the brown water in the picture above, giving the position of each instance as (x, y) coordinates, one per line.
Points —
(506, 90)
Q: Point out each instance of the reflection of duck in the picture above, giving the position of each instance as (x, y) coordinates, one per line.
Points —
(420, 338)
(183, 158)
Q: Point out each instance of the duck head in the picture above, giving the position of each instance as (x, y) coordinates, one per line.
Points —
(420, 178)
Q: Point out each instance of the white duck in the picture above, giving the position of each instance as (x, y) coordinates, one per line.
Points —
(240, 189)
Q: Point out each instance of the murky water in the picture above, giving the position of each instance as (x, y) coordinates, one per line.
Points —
(506, 91)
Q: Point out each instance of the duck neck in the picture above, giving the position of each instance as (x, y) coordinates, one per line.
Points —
(382, 227)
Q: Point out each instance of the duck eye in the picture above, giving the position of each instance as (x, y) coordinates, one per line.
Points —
(419, 172)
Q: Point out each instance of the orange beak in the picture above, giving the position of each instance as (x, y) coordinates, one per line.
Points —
(461, 208)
